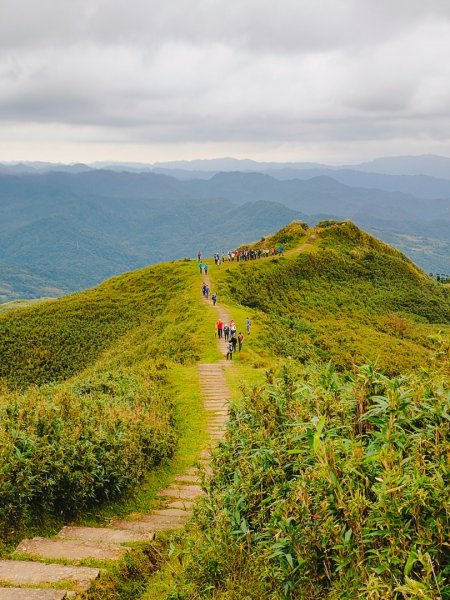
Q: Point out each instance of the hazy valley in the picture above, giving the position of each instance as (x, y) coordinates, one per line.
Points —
(67, 228)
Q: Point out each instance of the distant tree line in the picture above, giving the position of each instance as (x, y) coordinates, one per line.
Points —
(441, 277)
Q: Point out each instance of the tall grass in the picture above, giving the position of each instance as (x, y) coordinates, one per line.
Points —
(330, 486)
(69, 447)
(85, 408)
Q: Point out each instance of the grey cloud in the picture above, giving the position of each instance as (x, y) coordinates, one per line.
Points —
(248, 71)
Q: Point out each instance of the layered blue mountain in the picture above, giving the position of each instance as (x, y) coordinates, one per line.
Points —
(63, 231)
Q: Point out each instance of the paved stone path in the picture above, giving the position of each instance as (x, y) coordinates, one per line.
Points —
(75, 543)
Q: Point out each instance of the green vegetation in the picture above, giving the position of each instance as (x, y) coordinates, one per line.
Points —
(347, 298)
(54, 341)
(103, 413)
(329, 486)
(68, 447)
(289, 236)
(333, 481)
(128, 578)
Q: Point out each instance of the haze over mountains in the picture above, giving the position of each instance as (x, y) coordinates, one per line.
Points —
(67, 227)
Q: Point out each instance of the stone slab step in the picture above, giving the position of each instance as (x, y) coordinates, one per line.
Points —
(151, 523)
(18, 572)
(215, 403)
(30, 594)
(182, 492)
(188, 478)
(102, 535)
(212, 384)
(70, 549)
(172, 512)
(181, 504)
(192, 471)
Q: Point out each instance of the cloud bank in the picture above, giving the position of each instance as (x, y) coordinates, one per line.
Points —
(147, 80)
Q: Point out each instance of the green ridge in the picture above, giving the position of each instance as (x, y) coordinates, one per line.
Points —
(334, 479)
(97, 397)
(91, 393)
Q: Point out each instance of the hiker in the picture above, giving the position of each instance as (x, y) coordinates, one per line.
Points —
(219, 328)
(234, 341)
(199, 256)
(240, 340)
(206, 269)
(200, 266)
(232, 327)
(281, 250)
(226, 332)
(248, 324)
(229, 351)
(214, 298)
(207, 291)
(203, 288)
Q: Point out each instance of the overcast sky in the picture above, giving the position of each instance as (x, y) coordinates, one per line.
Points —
(146, 80)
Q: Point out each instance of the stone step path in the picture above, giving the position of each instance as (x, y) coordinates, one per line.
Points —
(76, 543)
(23, 573)
(30, 594)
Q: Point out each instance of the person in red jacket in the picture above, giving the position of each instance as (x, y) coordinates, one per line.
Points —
(219, 328)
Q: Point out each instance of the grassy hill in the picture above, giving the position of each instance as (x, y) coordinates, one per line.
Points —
(333, 481)
(347, 297)
(86, 408)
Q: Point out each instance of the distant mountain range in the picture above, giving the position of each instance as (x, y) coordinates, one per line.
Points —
(67, 227)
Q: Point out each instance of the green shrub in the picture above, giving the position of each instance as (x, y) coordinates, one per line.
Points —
(68, 447)
(330, 486)
(85, 410)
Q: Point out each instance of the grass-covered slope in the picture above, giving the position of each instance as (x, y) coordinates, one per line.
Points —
(84, 406)
(346, 297)
(56, 340)
(333, 481)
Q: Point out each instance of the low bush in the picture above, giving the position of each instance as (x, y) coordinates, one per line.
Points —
(85, 410)
(65, 448)
(329, 486)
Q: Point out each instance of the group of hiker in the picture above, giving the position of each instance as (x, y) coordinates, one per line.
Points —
(205, 293)
(228, 331)
(239, 255)
(253, 254)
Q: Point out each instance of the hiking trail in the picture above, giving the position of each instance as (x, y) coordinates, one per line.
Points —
(41, 579)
